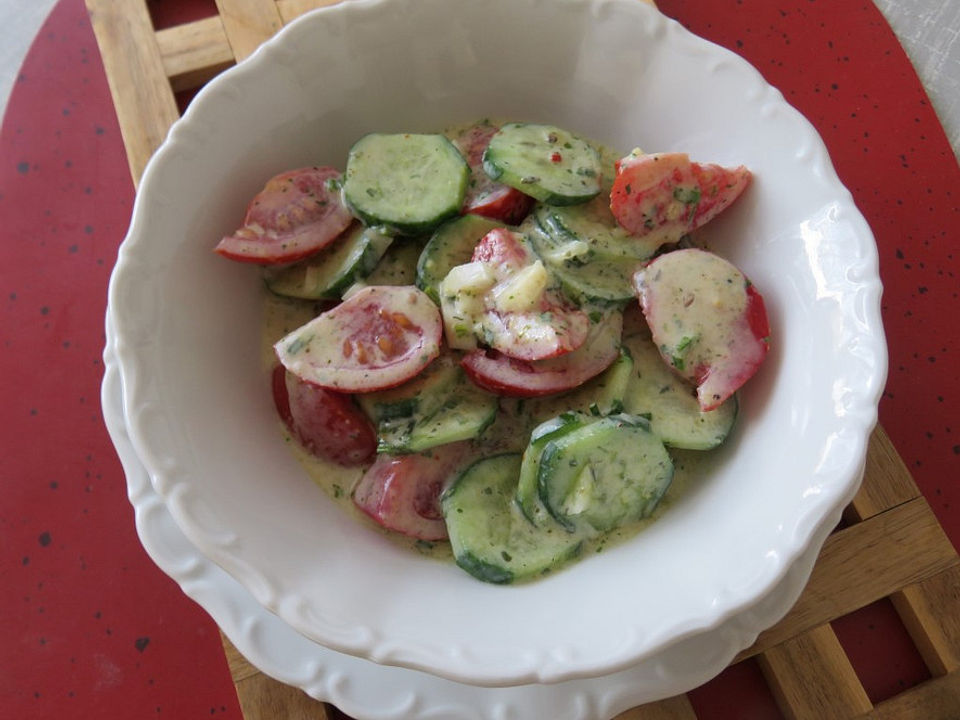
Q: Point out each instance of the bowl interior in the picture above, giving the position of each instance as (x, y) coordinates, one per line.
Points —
(196, 392)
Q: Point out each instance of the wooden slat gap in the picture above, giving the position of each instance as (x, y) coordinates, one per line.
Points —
(194, 52)
(930, 611)
(935, 699)
(812, 679)
(864, 563)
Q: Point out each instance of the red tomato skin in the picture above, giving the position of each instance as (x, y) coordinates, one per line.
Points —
(327, 424)
(649, 190)
(503, 375)
(497, 373)
(502, 248)
(757, 315)
(478, 365)
(485, 196)
(505, 204)
(402, 492)
(295, 215)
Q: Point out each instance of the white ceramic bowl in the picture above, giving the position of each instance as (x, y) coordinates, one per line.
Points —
(197, 402)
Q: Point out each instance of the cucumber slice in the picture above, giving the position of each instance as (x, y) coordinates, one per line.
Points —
(528, 497)
(450, 412)
(545, 162)
(601, 395)
(464, 416)
(451, 244)
(398, 266)
(584, 280)
(409, 183)
(611, 386)
(489, 536)
(670, 402)
(592, 224)
(610, 472)
(424, 394)
(329, 272)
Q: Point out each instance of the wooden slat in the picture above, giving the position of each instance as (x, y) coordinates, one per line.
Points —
(930, 611)
(937, 699)
(890, 481)
(292, 9)
(194, 52)
(240, 667)
(864, 563)
(144, 102)
(248, 24)
(675, 708)
(812, 679)
(263, 698)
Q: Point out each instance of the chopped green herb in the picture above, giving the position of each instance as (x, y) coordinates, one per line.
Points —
(685, 343)
(687, 195)
(299, 343)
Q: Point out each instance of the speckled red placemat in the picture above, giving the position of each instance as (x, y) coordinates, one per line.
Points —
(93, 629)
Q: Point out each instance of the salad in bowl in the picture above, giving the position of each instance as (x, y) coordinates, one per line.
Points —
(488, 394)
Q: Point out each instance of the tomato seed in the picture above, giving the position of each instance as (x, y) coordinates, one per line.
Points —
(385, 344)
(347, 348)
(362, 354)
(402, 320)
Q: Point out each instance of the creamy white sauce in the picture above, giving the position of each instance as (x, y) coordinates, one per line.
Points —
(511, 430)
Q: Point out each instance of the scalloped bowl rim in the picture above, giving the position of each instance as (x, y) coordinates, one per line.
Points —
(817, 394)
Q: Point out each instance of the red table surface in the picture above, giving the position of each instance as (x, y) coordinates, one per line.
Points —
(92, 628)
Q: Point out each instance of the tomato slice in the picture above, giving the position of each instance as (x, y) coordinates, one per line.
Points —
(708, 321)
(548, 332)
(296, 214)
(402, 492)
(668, 194)
(326, 423)
(503, 300)
(485, 196)
(500, 202)
(547, 329)
(504, 250)
(498, 373)
(378, 338)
